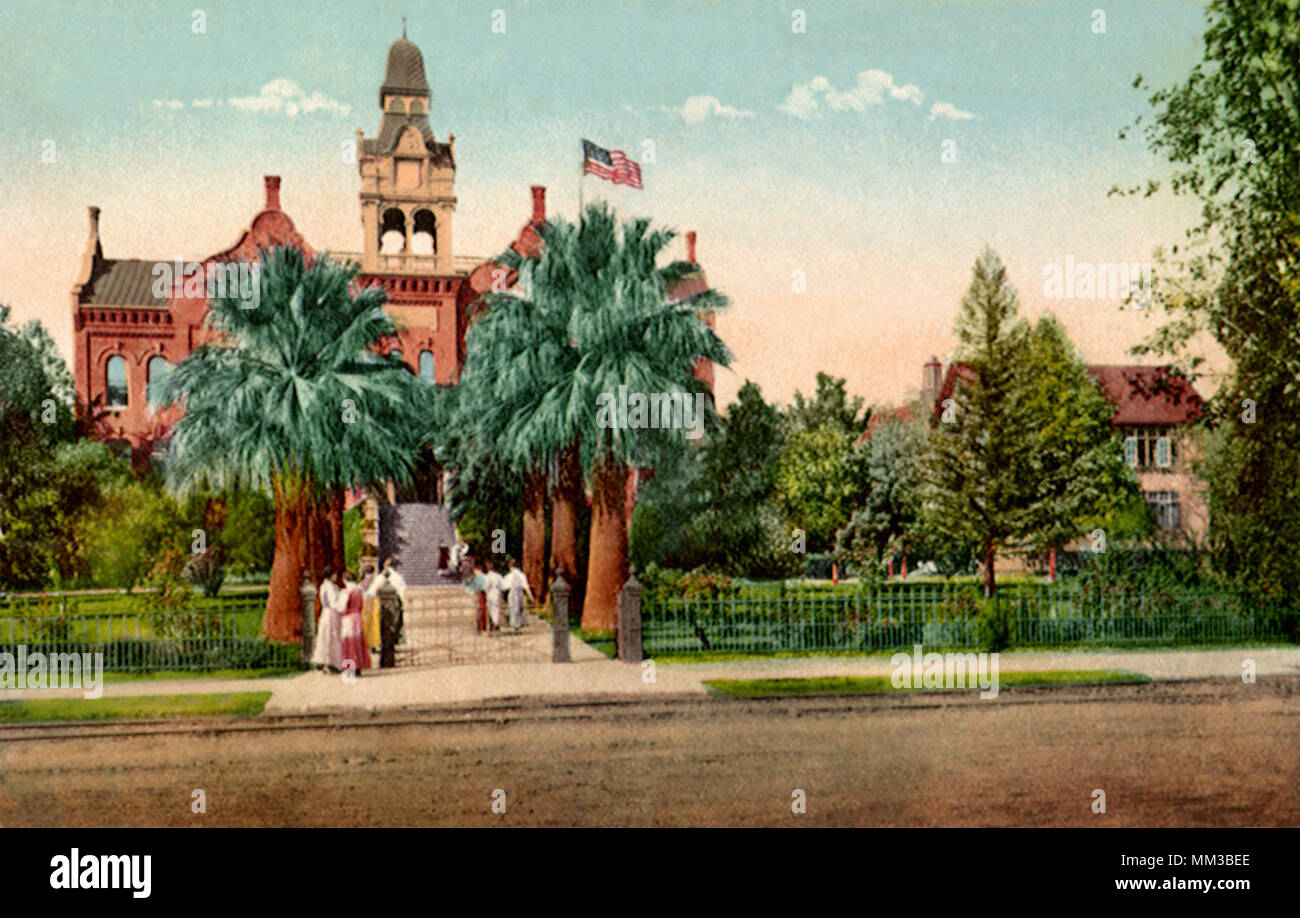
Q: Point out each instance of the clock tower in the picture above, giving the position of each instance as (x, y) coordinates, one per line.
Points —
(407, 198)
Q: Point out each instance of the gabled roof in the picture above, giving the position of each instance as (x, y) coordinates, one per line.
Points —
(902, 414)
(391, 125)
(1145, 395)
(122, 282)
(1142, 395)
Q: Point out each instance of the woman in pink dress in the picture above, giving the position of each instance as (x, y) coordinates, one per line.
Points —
(352, 627)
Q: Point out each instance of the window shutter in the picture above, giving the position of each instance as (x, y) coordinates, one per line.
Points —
(1162, 452)
(1131, 451)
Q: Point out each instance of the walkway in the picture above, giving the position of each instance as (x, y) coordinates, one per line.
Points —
(593, 676)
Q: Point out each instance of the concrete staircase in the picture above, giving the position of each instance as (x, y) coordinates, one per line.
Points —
(421, 538)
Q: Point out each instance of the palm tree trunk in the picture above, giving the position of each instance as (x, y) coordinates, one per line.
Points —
(565, 503)
(607, 564)
(534, 560)
(293, 514)
(336, 554)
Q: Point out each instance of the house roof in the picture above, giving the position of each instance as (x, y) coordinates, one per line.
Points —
(1145, 395)
(902, 413)
(122, 282)
(1142, 395)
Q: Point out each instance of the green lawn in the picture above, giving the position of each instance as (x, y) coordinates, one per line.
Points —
(871, 685)
(166, 675)
(140, 707)
(162, 675)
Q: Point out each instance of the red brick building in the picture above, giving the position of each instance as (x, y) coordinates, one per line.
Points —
(131, 322)
(134, 318)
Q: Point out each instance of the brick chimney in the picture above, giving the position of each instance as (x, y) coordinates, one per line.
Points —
(690, 247)
(272, 183)
(539, 204)
(94, 251)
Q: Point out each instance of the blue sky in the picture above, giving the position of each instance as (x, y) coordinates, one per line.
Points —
(852, 192)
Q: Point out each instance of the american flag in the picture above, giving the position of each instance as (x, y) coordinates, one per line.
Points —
(611, 165)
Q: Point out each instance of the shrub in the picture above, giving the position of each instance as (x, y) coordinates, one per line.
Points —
(994, 622)
(207, 569)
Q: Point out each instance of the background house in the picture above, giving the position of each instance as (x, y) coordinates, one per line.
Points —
(1154, 412)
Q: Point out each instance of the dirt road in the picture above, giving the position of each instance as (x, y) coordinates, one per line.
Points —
(1172, 754)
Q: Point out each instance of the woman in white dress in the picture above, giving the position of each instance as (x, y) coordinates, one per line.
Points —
(492, 583)
(517, 585)
(328, 651)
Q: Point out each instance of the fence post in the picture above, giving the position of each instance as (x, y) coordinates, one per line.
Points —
(560, 590)
(629, 621)
(388, 601)
(307, 602)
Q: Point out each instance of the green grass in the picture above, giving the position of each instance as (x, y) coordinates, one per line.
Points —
(872, 685)
(167, 674)
(163, 675)
(694, 657)
(140, 707)
(604, 641)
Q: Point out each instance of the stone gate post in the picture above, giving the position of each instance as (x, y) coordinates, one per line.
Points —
(307, 601)
(629, 621)
(560, 590)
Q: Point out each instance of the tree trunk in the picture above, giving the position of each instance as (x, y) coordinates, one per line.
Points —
(607, 564)
(293, 513)
(534, 559)
(333, 512)
(989, 554)
(566, 500)
(1051, 565)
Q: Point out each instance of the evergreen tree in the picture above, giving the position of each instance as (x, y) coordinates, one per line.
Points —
(978, 477)
(1077, 460)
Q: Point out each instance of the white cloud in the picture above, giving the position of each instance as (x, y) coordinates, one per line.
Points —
(801, 102)
(283, 96)
(700, 108)
(201, 103)
(948, 110)
(872, 88)
(168, 103)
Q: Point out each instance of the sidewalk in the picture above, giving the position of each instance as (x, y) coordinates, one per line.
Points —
(593, 676)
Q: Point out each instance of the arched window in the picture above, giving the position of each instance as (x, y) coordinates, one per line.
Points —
(426, 366)
(392, 232)
(115, 379)
(424, 240)
(158, 369)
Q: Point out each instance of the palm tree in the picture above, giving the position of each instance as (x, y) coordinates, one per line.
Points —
(290, 398)
(591, 313)
(508, 354)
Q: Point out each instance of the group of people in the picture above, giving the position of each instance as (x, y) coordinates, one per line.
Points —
(347, 628)
(488, 586)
